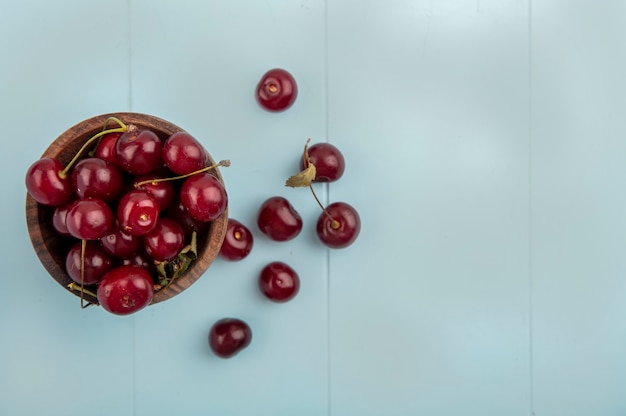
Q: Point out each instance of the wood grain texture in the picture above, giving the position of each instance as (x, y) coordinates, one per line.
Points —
(51, 248)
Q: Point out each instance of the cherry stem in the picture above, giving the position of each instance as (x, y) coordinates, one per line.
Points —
(224, 163)
(307, 161)
(124, 128)
(76, 287)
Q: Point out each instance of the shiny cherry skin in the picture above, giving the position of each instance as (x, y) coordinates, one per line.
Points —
(279, 282)
(59, 217)
(328, 160)
(229, 336)
(105, 149)
(125, 289)
(183, 154)
(138, 212)
(89, 219)
(120, 244)
(46, 183)
(278, 219)
(165, 241)
(163, 191)
(97, 262)
(238, 241)
(204, 197)
(179, 213)
(342, 229)
(277, 90)
(139, 151)
(97, 178)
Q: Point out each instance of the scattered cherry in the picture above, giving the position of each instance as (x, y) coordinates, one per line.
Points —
(125, 290)
(278, 219)
(339, 225)
(228, 336)
(328, 160)
(279, 282)
(238, 241)
(277, 90)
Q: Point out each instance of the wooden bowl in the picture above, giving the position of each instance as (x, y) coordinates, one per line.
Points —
(51, 248)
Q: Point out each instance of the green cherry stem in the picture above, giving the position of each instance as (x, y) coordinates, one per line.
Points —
(76, 287)
(64, 172)
(224, 163)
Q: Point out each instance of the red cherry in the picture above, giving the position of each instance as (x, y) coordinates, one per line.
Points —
(229, 336)
(279, 282)
(97, 178)
(59, 218)
(183, 154)
(119, 243)
(179, 213)
(277, 90)
(125, 290)
(339, 226)
(165, 241)
(106, 147)
(204, 197)
(89, 219)
(138, 212)
(328, 160)
(97, 263)
(139, 151)
(278, 219)
(238, 241)
(46, 183)
(163, 191)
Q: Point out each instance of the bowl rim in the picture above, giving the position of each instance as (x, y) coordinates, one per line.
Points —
(40, 238)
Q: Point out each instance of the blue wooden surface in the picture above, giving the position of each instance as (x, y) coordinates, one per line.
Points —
(484, 144)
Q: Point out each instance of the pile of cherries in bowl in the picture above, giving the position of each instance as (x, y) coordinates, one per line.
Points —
(127, 211)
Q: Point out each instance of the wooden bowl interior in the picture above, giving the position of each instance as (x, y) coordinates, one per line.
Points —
(51, 248)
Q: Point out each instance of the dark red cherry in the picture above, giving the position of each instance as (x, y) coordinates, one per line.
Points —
(106, 147)
(165, 241)
(238, 241)
(89, 219)
(138, 212)
(179, 213)
(328, 160)
(59, 218)
(279, 282)
(339, 226)
(277, 90)
(97, 178)
(46, 182)
(278, 219)
(163, 191)
(97, 262)
(143, 260)
(204, 197)
(120, 244)
(183, 154)
(139, 151)
(125, 289)
(229, 336)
